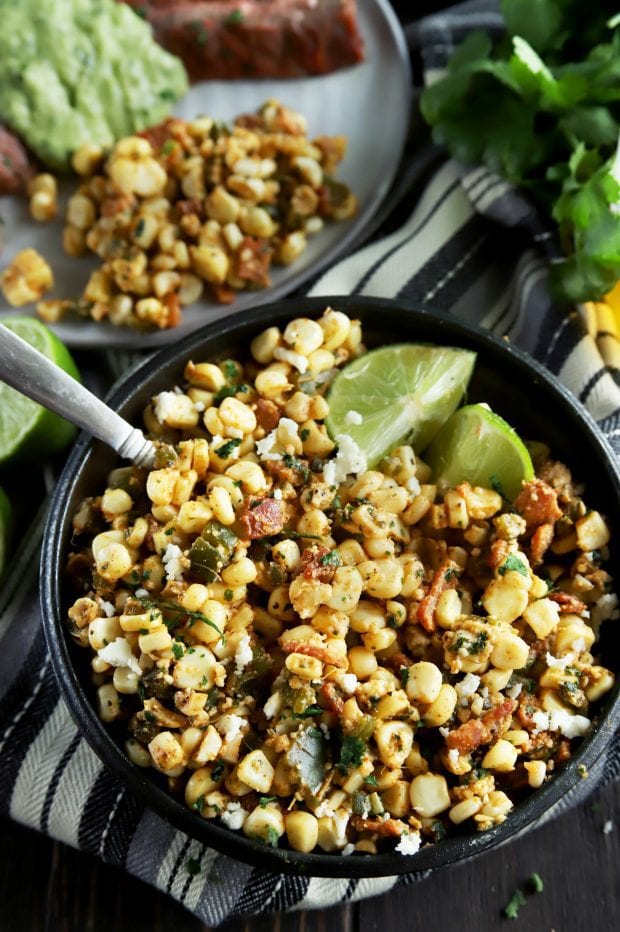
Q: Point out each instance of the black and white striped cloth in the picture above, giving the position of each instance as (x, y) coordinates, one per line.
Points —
(470, 247)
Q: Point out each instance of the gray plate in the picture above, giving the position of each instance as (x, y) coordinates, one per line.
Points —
(369, 103)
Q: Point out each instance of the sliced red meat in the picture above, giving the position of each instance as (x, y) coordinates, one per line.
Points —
(262, 518)
(256, 38)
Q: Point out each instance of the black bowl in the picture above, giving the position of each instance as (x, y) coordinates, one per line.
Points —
(517, 388)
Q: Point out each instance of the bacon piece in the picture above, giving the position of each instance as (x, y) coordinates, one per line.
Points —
(267, 414)
(477, 731)
(223, 294)
(528, 706)
(312, 568)
(537, 502)
(262, 519)
(284, 473)
(540, 543)
(332, 699)
(445, 578)
(173, 305)
(498, 553)
(314, 650)
(253, 258)
(391, 827)
(567, 602)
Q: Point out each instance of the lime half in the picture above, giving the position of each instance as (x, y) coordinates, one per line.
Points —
(5, 528)
(397, 394)
(477, 446)
(27, 430)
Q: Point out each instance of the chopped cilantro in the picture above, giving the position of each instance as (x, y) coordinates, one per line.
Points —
(404, 676)
(294, 463)
(371, 780)
(149, 717)
(169, 531)
(332, 558)
(178, 650)
(351, 753)
(218, 770)
(514, 905)
(229, 368)
(272, 837)
(234, 18)
(304, 434)
(478, 644)
(265, 800)
(228, 594)
(227, 449)
(167, 149)
(513, 562)
(450, 573)
(309, 712)
(199, 804)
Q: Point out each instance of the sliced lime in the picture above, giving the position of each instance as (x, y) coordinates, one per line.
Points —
(397, 394)
(27, 430)
(5, 528)
(477, 446)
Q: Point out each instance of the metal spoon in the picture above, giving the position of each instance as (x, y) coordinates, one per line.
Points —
(34, 375)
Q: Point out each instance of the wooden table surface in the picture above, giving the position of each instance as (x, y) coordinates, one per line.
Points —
(47, 887)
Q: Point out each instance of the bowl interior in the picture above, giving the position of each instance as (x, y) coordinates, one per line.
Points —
(527, 396)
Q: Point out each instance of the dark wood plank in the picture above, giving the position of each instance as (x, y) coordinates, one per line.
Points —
(577, 862)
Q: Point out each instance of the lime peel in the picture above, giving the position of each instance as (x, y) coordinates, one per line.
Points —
(478, 446)
(402, 393)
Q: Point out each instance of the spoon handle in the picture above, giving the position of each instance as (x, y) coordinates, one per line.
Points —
(30, 372)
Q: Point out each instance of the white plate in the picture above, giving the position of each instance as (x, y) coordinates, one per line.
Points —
(369, 103)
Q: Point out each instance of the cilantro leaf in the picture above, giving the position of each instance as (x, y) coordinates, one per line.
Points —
(513, 563)
(513, 906)
(351, 753)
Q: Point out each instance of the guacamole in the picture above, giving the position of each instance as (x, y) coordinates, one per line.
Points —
(77, 71)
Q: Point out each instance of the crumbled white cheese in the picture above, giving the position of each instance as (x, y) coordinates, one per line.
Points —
(341, 820)
(408, 844)
(168, 407)
(234, 816)
(243, 654)
(277, 494)
(119, 654)
(347, 850)
(348, 683)
(230, 725)
(559, 663)
(141, 594)
(323, 809)
(444, 731)
(199, 406)
(325, 730)
(173, 562)
(514, 691)
(295, 359)
(541, 721)
(579, 645)
(605, 607)
(108, 609)
(265, 447)
(353, 417)
(608, 827)
(468, 685)
(413, 485)
(571, 726)
(273, 705)
(348, 460)
(453, 756)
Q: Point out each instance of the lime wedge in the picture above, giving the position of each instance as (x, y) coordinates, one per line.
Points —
(28, 431)
(477, 446)
(5, 528)
(397, 394)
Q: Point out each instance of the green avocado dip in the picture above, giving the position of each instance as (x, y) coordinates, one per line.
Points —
(78, 71)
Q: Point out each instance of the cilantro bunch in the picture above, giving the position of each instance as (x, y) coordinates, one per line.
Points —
(541, 107)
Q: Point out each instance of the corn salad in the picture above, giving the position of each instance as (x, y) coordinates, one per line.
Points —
(321, 655)
(193, 208)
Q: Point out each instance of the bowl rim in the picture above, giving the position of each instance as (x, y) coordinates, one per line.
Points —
(234, 844)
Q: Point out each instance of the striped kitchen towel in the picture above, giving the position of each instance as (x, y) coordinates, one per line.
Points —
(470, 247)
